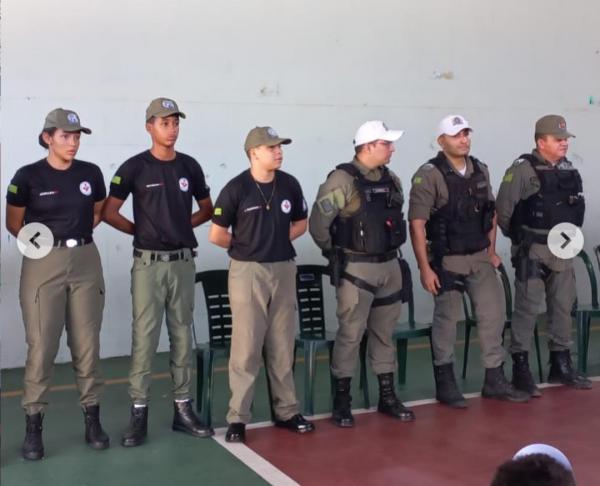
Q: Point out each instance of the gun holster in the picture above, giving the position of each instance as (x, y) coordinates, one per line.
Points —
(526, 268)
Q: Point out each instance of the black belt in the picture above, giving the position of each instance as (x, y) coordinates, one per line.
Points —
(73, 242)
(163, 257)
(383, 257)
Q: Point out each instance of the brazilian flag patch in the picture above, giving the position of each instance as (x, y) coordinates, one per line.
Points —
(218, 211)
(116, 180)
(508, 177)
(417, 180)
(12, 188)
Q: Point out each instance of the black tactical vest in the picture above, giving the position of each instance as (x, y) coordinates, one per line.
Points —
(461, 227)
(559, 200)
(378, 226)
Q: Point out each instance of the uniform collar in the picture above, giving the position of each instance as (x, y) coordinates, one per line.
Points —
(468, 161)
(364, 170)
(542, 160)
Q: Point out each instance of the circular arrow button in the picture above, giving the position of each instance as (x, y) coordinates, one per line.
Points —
(35, 240)
(565, 240)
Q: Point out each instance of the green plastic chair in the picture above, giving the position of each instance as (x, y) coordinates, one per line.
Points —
(583, 313)
(216, 296)
(313, 335)
(409, 329)
(471, 321)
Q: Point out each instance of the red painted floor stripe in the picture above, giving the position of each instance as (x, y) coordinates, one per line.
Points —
(443, 446)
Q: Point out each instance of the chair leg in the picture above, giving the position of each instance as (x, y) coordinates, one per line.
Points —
(432, 356)
(402, 353)
(582, 319)
(586, 346)
(363, 383)
(309, 377)
(466, 351)
(209, 363)
(331, 380)
(538, 353)
(199, 379)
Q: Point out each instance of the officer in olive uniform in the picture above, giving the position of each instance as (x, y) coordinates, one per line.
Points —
(453, 233)
(65, 288)
(539, 191)
(266, 211)
(164, 184)
(357, 221)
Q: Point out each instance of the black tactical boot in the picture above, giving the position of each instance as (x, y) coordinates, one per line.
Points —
(94, 435)
(497, 386)
(33, 447)
(562, 371)
(135, 434)
(342, 401)
(521, 375)
(446, 389)
(388, 401)
(185, 420)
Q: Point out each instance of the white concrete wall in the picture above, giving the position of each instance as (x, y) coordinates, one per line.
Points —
(314, 70)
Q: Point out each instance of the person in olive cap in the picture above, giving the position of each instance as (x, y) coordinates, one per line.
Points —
(357, 221)
(453, 233)
(540, 190)
(164, 184)
(65, 288)
(266, 211)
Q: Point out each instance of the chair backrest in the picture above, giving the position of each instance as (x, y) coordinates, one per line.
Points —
(597, 253)
(468, 305)
(216, 296)
(309, 292)
(591, 276)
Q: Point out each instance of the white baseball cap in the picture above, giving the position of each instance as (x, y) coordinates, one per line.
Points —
(546, 449)
(452, 124)
(375, 130)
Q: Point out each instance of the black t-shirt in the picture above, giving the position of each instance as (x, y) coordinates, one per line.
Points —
(63, 200)
(163, 194)
(260, 234)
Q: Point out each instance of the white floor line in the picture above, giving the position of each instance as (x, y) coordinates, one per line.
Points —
(276, 477)
(257, 463)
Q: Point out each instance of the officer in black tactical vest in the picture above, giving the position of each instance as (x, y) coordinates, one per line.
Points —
(539, 191)
(357, 221)
(453, 233)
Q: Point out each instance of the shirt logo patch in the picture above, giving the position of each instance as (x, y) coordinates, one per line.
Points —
(12, 188)
(286, 206)
(184, 185)
(116, 180)
(155, 184)
(48, 193)
(72, 118)
(218, 211)
(85, 188)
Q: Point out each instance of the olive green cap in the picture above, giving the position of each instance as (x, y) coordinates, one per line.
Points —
(552, 125)
(162, 107)
(264, 136)
(66, 120)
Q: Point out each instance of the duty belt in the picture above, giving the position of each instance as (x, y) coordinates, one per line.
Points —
(383, 257)
(163, 256)
(73, 242)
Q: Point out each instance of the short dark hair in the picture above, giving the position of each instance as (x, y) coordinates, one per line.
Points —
(533, 470)
(50, 132)
(538, 136)
(359, 148)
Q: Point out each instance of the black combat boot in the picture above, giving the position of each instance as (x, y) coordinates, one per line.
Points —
(33, 447)
(388, 401)
(497, 386)
(562, 371)
(185, 420)
(94, 435)
(135, 434)
(446, 389)
(521, 375)
(342, 401)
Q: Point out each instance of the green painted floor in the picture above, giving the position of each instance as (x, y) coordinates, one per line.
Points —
(169, 457)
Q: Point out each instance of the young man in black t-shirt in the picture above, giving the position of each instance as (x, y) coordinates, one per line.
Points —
(163, 184)
(265, 208)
